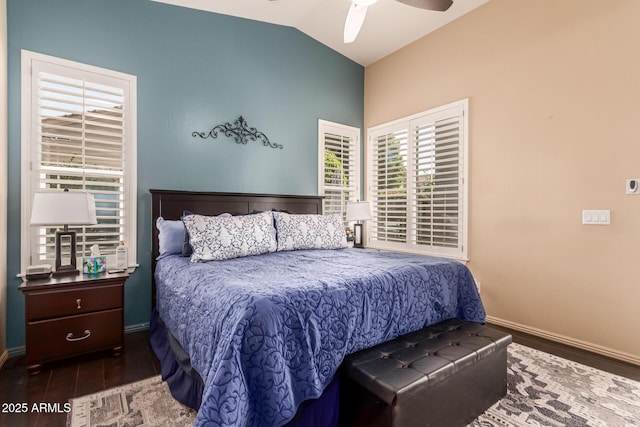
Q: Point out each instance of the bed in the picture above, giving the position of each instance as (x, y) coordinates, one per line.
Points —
(258, 340)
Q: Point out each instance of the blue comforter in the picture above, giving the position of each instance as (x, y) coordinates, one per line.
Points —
(268, 332)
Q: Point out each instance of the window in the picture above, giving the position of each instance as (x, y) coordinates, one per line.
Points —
(78, 132)
(339, 166)
(417, 185)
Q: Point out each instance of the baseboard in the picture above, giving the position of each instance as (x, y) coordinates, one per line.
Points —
(584, 345)
(136, 328)
(16, 351)
(3, 358)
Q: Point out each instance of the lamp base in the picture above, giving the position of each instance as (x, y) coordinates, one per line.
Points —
(66, 270)
(358, 241)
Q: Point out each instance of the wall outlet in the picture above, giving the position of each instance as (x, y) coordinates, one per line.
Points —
(633, 186)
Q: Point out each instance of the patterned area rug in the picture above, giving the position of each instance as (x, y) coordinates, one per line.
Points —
(542, 390)
(546, 390)
(143, 403)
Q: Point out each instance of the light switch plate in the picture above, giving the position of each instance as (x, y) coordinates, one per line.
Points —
(596, 217)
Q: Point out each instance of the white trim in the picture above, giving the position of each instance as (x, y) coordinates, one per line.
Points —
(25, 160)
(324, 127)
(390, 247)
(28, 129)
(563, 339)
(406, 124)
(397, 124)
(465, 178)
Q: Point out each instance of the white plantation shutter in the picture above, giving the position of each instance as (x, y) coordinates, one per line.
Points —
(436, 195)
(388, 186)
(417, 185)
(82, 137)
(339, 172)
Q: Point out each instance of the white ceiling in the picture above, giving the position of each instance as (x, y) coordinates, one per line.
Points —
(389, 24)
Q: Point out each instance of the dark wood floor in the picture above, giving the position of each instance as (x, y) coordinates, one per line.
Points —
(577, 355)
(60, 381)
(64, 380)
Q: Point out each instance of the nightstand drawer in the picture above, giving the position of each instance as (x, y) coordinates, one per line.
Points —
(58, 302)
(68, 336)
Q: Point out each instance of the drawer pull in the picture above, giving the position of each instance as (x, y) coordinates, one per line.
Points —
(78, 301)
(87, 334)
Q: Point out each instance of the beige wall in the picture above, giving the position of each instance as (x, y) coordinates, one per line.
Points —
(554, 90)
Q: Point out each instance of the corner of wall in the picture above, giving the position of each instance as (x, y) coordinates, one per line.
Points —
(3, 180)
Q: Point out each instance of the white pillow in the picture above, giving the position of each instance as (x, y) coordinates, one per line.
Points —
(309, 231)
(218, 238)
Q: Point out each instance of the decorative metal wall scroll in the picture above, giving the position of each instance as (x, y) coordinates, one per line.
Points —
(240, 132)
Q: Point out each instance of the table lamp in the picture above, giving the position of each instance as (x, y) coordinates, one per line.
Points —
(63, 208)
(358, 211)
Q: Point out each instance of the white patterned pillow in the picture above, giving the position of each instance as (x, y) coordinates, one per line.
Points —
(218, 238)
(309, 231)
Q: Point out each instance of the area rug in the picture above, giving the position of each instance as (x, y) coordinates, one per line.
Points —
(143, 403)
(542, 390)
(547, 390)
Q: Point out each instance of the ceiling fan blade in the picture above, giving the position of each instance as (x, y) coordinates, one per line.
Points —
(439, 5)
(354, 21)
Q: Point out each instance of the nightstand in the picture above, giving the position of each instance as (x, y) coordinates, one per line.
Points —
(73, 315)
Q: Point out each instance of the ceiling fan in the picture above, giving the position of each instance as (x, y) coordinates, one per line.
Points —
(358, 11)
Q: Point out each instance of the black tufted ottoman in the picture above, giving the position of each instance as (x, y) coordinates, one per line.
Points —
(443, 375)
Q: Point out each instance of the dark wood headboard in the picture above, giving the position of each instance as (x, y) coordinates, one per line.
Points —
(170, 204)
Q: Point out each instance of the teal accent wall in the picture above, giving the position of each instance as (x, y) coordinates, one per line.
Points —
(195, 70)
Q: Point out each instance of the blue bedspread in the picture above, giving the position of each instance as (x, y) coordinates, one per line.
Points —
(268, 332)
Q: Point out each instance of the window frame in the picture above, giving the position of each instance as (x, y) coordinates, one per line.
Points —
(351, 132)
(407, 124)
(30, 124)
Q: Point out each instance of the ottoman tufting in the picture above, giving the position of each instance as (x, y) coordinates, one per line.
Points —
(443, 375)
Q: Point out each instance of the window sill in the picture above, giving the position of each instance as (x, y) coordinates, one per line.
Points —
(462, 259)
(130, 269)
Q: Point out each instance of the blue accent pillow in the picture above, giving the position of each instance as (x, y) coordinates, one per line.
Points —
(170, 236)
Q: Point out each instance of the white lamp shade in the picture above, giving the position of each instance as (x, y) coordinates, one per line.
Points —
(63, 208)
(358, 211)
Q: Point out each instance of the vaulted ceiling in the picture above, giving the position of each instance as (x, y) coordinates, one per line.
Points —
(389, 25)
